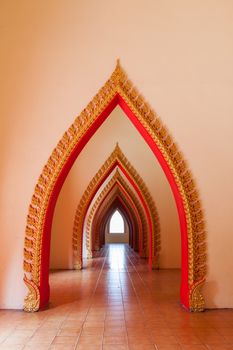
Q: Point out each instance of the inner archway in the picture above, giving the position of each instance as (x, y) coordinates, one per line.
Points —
(118, 188)
(115, 161)
(102, 221)
(116, 223)
(117, 90)
(116, 230)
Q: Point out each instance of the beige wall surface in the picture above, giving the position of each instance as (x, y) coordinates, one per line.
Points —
(55, 55)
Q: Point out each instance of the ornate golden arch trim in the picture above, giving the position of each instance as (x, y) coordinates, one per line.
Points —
(117, 85)
(116, 157)
(139, 222)
(145, 229)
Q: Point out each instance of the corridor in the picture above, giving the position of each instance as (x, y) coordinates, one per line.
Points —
(116, 303)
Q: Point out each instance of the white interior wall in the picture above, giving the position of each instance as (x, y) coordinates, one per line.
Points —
(55, 55)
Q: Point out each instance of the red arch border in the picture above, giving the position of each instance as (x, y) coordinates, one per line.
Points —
(117, 204)
(132, 221)
(132, 206)
(45, 250)
(142, 201)
(134, 224)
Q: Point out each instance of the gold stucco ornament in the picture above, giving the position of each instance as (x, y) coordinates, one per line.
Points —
(197, 302)
(117, 84)
(32, 300)
(118, 178)
(116, 156)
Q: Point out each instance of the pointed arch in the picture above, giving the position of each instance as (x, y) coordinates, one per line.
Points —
(115, 188)
(100, 220)
(135, 220)
(114, 194)
(117, 90)
(116, 159)
(135, 203)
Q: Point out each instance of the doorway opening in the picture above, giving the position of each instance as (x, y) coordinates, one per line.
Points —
(118, 90)
(116, 223)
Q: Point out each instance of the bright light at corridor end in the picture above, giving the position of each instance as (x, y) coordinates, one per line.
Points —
(116, 223)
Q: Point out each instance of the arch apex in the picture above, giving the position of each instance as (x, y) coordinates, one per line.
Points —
(118, 89)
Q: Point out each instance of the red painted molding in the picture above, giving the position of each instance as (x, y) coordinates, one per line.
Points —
(131, 207)
(132, 182)
(103, 217)
(45, 252)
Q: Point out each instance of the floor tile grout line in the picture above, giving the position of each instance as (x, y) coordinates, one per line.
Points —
(117, 290)
(127, 338)
(178, 342)
(149, 294)
(139, 302)
(91, 297)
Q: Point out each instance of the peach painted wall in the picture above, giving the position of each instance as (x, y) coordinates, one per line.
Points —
(56, 54)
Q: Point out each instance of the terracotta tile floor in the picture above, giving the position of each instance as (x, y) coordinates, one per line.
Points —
(116, 303)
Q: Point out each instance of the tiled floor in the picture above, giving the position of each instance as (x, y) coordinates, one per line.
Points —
(116, 304)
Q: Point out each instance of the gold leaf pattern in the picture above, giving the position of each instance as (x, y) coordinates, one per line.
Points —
(116, 156)
(145, 230)
(118, 83)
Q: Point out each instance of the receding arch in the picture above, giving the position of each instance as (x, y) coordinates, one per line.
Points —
(117, 90)
(132, 211)
(135, 222)
(116, 159)
(126, 191)
(116, 187)
(100, 222)
(120, 203)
